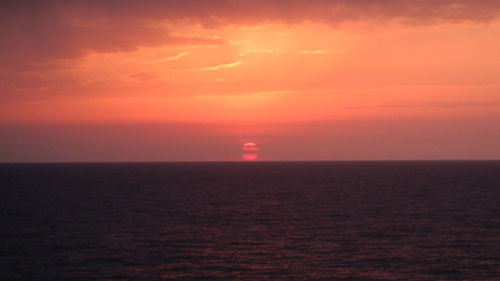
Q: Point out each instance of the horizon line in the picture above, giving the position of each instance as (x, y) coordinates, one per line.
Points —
(242, 161)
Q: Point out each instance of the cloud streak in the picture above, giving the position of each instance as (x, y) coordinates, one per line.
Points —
(173, 58)
(212, 67)
(315, 52)
(445, 104)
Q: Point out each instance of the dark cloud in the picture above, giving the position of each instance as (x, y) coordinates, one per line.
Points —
(34, 31)
(39, 30)
(331, 11)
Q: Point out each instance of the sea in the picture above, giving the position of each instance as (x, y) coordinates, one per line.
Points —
(408, 220)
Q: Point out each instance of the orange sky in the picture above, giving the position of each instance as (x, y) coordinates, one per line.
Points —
(193, 80)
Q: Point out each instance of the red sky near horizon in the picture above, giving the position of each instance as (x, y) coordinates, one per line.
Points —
(194, 80)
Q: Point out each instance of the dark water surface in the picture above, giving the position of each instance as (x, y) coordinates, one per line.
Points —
(251, 221)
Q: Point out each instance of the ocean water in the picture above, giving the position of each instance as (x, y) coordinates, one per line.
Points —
(251, 221)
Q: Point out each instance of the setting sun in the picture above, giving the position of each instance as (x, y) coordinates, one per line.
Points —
(250, 151)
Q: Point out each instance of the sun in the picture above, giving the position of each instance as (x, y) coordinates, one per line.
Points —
(250, 151)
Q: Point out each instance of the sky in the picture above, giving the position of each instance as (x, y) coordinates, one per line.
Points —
(195, 80)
